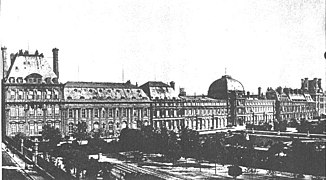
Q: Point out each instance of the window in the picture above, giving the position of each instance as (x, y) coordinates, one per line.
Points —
(117, 113)
(70, 113)
(30, 94)
(31, 129)
(110, 112)
(56, 110)
(21, 111)
(124, 111)
(70, 127)
(96, 113)
(12, 95)
(103, 113)
(83, 113)
(38, 95)
(49, 111)
(39, 112)
(20, 95)
(13, 111)
(145, 112)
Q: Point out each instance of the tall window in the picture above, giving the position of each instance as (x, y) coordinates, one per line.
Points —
(103, 113)
(13, 111)
(110, 112)
(31, 129)
(20, 95)
(39, 112)
(56, 110)
(21, 111)
(70, 127)
(83, 113)
(70, 113)
(96, 113)
(12, 95)
(38, 95)
(124, 112)
(145, 112)
(49, 110)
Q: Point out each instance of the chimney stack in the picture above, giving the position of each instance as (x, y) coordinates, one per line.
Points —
(248, 94)
(182, 92)
(55, 61)
(319, 83)
(259, 91)
(4, 61)
(172, 84)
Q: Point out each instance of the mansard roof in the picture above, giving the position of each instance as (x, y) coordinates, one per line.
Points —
(26, 64)
(75, 90)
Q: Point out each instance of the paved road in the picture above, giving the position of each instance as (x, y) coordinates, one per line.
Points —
(11, 170)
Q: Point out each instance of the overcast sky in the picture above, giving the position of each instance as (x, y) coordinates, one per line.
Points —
(265, 43)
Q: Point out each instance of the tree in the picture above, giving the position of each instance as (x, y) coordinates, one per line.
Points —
(173, 149)
(189, 142)
(52, 136)
(75, 159)
(130, 139)
(80, 132)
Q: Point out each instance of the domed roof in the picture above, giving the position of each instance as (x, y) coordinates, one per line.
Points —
(219, 88)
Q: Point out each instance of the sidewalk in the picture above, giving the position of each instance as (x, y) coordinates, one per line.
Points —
(29, 173)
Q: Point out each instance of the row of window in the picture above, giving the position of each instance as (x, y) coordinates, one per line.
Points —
(20, 111)
(259, 109)
(173, 104)
(31, 128)
(32, 94)
(103, 113)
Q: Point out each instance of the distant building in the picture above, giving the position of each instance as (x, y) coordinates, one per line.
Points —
(314, 88)
(292, 104)
(259, 110)
(174, 111)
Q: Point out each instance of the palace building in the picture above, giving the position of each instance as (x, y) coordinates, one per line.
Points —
(33, 97)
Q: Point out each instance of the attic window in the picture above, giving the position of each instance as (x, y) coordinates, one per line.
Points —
(90, 90)
(82, 97)
(133, 97)
(69, 97)
(117, 90)
(100, 90)
(109, 91)
(16, 68)
(94, 97)
(138, 91)
(75, 90)
(128, 91)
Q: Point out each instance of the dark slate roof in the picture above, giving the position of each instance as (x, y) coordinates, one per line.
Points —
(156, 84)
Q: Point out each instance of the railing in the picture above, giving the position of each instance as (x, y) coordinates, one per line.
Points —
(46, 168)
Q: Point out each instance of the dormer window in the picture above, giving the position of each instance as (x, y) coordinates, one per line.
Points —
(20, 80)
(12, 80)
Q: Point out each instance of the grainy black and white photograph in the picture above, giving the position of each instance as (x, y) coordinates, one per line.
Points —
(163, 89)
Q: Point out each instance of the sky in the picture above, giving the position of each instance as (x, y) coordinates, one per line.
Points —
(261, 43)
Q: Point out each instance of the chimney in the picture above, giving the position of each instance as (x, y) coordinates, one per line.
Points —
(4, 61)
(306, 84)
(319, 83)
(302, 84)
(172, 84)
(182, 92)
(286, 90)
(55, 61)
(259, 91)
(248, 93)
